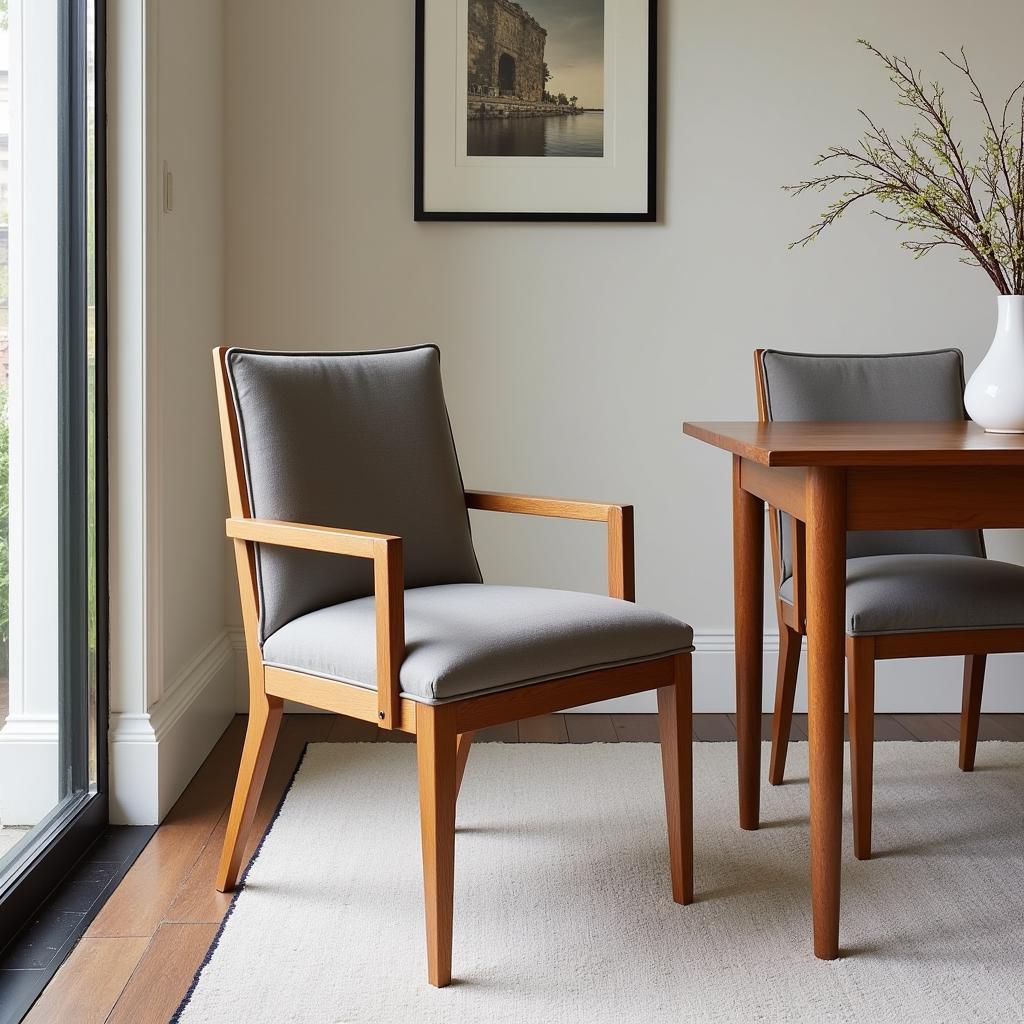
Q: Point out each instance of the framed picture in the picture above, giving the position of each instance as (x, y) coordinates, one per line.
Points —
(535, 110)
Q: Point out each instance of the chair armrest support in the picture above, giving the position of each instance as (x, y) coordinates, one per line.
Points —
(385, 551)
(621, 572)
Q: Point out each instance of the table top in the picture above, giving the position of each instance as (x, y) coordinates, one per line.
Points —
(862, 444)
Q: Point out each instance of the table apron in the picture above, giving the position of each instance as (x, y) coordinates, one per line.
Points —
(904, 497)
(934, 497)
(782, 487)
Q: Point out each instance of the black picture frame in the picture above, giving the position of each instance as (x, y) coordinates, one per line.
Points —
(648, 215)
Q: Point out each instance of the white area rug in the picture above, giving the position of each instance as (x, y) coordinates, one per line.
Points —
(563, 910)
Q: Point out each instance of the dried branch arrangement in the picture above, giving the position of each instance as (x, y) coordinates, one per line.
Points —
(926, 182)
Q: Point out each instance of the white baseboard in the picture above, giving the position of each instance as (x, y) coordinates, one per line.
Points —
(909, 685)
(29, 775)
(904, 686)
(153, 756)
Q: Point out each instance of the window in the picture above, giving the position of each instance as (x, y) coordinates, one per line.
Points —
(52, 446)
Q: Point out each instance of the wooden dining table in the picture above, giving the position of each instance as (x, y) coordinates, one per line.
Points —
(835, 477)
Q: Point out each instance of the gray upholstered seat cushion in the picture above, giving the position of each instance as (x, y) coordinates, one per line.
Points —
(358, 440)
(925, 593)
(468, 638)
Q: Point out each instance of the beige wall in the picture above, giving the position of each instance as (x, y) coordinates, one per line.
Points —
(172, 662)
(573, 353)
(189, 321)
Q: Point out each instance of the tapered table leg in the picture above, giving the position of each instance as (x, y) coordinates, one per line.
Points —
(748, 582)
(826, 601)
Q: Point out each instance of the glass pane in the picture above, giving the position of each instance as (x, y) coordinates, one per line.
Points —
(8, 835)
(90, 381)
(48, 561)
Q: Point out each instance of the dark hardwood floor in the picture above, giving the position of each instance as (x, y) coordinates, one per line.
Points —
(138, 957)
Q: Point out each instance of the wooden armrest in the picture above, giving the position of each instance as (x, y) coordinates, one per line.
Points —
(621, 572)
(388, 588)
(328, 539)
(531, 505)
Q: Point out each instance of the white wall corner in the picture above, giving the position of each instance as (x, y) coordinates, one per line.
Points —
(154, 755)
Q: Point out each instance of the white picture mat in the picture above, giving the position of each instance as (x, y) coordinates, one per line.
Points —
(614, 183)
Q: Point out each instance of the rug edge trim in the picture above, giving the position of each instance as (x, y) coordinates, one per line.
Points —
(239, 888)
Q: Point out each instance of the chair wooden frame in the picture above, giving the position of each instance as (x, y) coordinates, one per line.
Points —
(861, 654)
(444, 732)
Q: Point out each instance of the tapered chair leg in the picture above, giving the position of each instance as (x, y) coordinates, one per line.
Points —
(970, 715)
(461, 757)
(785, 694)
(436, 757)
(675, 726)
(260, 735)
(860, 662)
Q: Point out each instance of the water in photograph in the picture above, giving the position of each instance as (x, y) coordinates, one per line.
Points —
(567, 135)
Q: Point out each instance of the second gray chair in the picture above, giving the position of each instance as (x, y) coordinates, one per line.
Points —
(918, 593)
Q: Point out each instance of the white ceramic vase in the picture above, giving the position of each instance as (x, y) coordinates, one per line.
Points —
(995, 393)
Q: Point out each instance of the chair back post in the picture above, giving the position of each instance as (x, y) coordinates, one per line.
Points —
(773, 513)
(238, 507)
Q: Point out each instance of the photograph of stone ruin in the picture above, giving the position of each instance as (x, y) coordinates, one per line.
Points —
(535, 78)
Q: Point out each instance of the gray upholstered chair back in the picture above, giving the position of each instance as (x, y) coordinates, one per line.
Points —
(359, 440)
(902, 386)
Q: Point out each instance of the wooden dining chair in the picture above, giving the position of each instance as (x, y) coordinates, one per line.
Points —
(909, 594)
(361, 595)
